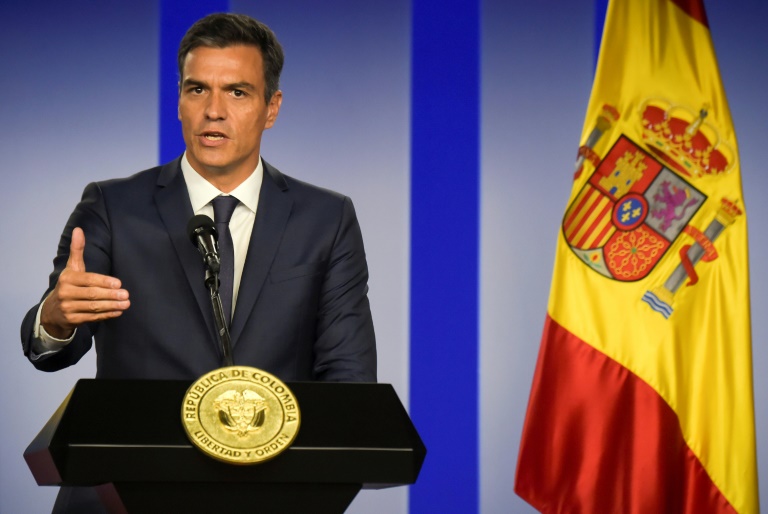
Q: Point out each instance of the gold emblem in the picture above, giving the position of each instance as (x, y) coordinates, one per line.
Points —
(240, 415)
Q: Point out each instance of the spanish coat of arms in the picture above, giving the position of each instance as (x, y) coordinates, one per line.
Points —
(640, 199)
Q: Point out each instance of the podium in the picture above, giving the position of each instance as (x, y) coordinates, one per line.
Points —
(125, 437)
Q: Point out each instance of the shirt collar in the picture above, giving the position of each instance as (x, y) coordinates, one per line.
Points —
(201, 192)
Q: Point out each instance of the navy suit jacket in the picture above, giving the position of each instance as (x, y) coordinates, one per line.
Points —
(302, 312)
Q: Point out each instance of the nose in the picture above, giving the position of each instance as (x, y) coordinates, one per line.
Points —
(215, 108)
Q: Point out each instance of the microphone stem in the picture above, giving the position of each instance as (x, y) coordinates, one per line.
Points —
(221, 324)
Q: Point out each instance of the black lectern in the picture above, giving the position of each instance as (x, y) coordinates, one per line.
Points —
(126, 438)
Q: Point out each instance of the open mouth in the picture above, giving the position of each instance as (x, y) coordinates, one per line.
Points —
(213, 136)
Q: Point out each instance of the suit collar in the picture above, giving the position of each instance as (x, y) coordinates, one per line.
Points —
(172, 201)
(277, 177)
(275, 206)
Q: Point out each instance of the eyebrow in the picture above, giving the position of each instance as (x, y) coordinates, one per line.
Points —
(192, 82)
(240, 85)
(235, 85)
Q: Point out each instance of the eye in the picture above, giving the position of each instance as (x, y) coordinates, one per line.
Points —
(238, 93)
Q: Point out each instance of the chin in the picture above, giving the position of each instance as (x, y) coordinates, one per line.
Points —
(212, 161)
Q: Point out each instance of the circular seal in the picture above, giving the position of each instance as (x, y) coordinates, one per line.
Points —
(240, 415)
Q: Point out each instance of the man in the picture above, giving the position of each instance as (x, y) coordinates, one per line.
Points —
(127, 274)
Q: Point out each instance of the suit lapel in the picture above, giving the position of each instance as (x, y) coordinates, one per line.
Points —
(172, 200)
(271, 218)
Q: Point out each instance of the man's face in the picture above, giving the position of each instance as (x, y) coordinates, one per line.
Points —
(223, 112)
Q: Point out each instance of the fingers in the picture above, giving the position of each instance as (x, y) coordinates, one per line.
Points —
(79, 294)
(68, 306)
(77, 312)
(89, 287)
(74, 273)
(89, 280)
(81, 297)
(76, 249)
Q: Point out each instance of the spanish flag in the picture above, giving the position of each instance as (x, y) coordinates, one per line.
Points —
(642, 396)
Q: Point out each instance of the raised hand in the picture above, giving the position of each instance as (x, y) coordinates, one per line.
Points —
(81, 297)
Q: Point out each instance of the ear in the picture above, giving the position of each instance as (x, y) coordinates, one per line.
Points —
(273, 108)
(178, 105)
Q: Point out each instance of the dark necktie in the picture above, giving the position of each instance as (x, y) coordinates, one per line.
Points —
(223, 207)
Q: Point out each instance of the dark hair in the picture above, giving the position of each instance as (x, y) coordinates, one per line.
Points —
(222, 30)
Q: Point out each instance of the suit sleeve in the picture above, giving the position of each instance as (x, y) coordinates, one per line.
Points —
(345, 348)
(90, 215)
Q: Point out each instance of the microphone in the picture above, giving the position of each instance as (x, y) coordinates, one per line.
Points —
(202, 232)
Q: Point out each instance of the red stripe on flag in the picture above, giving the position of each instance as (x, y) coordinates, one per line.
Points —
(590, 233)
(576, 210)
(694, 9)
(597, 438)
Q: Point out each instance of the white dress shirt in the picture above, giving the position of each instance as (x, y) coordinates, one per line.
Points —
(202, 192)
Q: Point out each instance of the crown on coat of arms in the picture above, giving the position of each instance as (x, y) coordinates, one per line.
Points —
(684, 140)
(728, 212)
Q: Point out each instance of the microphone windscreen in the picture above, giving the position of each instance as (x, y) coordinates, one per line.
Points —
(201, 224)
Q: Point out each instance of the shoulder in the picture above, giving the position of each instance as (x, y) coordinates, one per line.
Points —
(136, 191)
(301, 190)
(145, 179)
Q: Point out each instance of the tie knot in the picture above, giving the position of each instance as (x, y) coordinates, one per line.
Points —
(223, 207)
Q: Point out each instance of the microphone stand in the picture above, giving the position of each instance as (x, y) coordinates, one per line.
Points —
(212, 281)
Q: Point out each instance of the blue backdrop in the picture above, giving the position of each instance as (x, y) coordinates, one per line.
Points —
(453, 126)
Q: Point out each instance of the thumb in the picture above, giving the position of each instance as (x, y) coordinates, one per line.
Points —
(76, 248)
